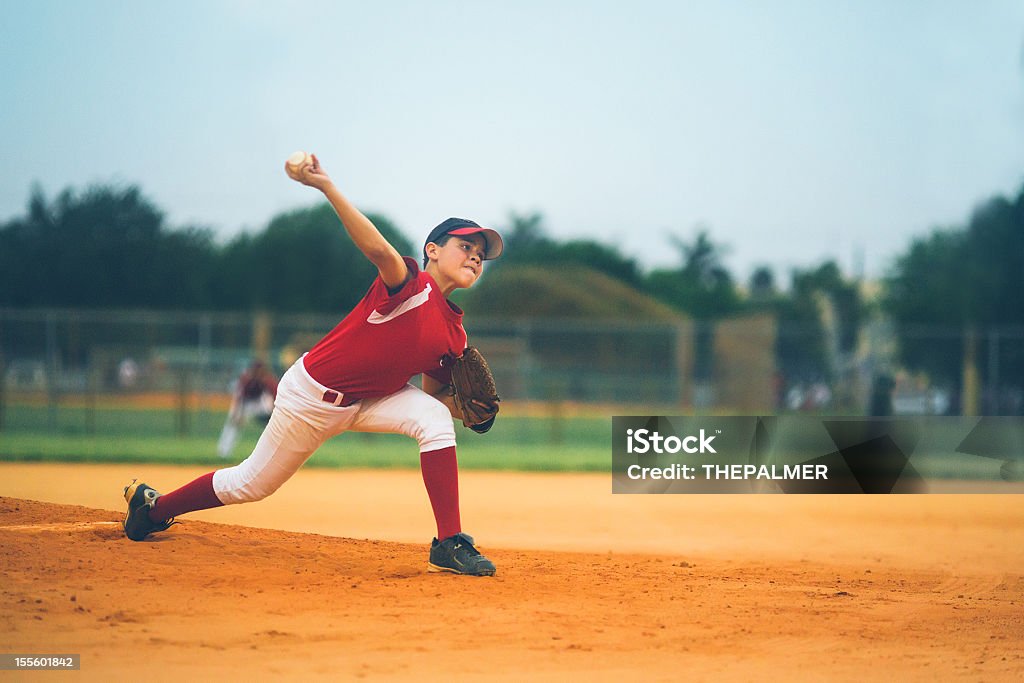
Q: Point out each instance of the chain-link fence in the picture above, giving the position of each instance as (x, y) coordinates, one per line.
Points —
(55, 363)
(59, 360)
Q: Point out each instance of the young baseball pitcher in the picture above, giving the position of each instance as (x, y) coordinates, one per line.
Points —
(357, 379)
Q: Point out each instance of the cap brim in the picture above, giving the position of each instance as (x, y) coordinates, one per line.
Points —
(491, 238)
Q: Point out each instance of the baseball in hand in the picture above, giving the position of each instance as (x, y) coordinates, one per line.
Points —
(293, 166)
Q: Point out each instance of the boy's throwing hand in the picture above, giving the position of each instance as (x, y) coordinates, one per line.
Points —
(312, 174)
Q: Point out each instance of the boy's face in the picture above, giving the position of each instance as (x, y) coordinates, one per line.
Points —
(460, 259)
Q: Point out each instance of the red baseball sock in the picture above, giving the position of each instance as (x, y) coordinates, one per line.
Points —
(196, 495)
(440, 471)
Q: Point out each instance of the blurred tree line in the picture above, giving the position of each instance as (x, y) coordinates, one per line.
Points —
(965, 283)
(111, 247)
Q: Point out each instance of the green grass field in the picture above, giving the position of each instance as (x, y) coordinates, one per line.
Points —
(80, 435)
(543, 444)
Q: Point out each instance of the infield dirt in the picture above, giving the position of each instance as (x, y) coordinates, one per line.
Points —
(589, 584)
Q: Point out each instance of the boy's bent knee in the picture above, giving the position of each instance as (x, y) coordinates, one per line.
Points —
(435, 429)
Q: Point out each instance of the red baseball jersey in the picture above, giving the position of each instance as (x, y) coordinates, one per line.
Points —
(388, 338)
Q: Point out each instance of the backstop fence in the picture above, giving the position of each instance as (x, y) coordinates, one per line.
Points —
(54, 359)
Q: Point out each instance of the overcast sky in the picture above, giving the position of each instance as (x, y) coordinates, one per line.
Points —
(792, 131)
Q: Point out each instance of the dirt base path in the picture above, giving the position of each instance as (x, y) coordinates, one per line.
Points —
(606, 587)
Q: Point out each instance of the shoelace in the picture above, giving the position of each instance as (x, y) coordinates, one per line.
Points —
(166, 524)
(467, 543)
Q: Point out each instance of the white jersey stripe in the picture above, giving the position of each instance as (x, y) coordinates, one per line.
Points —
(415, 301)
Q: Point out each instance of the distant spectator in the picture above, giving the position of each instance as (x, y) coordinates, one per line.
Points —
(127, 373)
(795, 397)
(819, 397)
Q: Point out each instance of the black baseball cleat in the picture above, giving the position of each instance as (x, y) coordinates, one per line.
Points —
(140, 499)
(456, 554)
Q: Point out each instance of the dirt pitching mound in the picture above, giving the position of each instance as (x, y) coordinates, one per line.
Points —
(216, 601)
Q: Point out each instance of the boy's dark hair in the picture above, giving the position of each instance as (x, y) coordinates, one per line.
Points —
(440, 241)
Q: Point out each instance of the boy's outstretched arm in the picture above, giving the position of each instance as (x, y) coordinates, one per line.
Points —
(363, 232)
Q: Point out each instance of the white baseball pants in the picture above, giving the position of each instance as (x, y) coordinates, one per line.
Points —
(302, 420)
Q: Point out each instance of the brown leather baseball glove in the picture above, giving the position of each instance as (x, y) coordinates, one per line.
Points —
(475, 394)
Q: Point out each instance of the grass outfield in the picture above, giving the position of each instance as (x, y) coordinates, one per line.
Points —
(546, 444)
(347, 450)
(77, 435)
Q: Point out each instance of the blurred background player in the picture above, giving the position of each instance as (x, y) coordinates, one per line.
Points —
(252, 399)
(357, 378)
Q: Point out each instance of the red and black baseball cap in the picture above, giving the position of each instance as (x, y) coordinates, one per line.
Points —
(463, 226)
